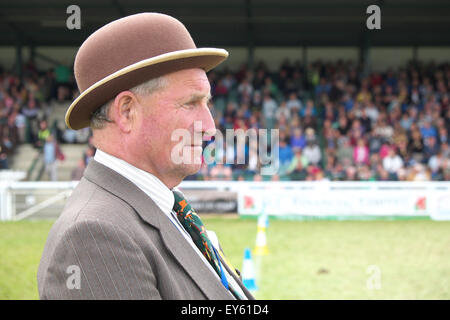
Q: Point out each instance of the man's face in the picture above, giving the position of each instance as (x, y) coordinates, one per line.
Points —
(180, 106)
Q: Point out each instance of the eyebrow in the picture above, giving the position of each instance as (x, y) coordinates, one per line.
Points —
(196, 97)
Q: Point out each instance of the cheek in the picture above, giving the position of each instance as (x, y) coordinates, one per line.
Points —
(156, 133)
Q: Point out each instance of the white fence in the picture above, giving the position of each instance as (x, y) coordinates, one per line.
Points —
(19, 200)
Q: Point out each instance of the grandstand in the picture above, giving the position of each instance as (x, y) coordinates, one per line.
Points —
(351, 105)
(363, 121)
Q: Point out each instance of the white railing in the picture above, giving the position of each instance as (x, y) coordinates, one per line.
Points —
(20, 200)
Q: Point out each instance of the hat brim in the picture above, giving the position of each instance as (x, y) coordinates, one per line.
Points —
(79, 113)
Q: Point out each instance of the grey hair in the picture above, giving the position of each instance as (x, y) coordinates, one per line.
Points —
(100, 116)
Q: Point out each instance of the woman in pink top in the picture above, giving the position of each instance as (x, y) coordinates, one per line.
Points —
(361, 153)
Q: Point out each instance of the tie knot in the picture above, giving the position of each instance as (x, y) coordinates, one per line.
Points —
(181, 206)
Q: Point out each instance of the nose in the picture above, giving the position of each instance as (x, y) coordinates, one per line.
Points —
(208, 125)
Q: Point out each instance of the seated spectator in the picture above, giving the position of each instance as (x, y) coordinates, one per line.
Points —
(270, 87)
(245, 90)
(269, 107)
(364, 94)
(361, 153)
(392, 162)
(257, 101)
(419, 173)
(383, 129)
(253, 163)
(364, 173)
(221, 172)
(356, 132)
(427, 130)
(385, 148)
(69, 136)
(406, 121)
(309, 121)
(312, 171)
(345, 151)
(365, 121)
(312, 153)
(275, 177)
(257, 177)
(322, 87)
(294, 104)
(297, 140)
(443, 135)
(431, 147)
(343, 125)
(308, 110)
(285, 155)
(372, 112)
(445, 150)
(298, 157)
(435, 163)
(282, 111)
(283, 124)
(351, 174)
(375, 142)
(416, 146)
(383, 175)
(3, 159)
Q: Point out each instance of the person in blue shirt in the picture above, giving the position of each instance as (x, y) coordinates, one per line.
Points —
(49, 152)
(427, 130)
(285, 155)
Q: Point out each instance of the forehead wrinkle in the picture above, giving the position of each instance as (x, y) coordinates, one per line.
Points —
(199, 84)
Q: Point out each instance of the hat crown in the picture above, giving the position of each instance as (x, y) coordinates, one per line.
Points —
(126, 41)
(131, 51)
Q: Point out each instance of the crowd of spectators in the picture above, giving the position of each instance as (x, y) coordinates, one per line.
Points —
(25, 106)
(334, 121)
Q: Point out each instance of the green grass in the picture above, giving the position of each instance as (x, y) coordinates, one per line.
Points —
(307, 259)
(21, 245)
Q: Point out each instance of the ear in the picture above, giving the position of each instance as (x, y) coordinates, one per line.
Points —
(124, 110)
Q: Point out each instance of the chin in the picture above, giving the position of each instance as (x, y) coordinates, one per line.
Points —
(192, 169)
(191, 165)
(185, 170)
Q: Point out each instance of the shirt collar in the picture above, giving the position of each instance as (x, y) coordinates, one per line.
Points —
(147, 182)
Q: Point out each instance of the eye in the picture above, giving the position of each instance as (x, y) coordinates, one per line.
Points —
(190, 104)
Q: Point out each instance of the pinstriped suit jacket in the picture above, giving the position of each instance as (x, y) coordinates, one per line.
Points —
(113, 242)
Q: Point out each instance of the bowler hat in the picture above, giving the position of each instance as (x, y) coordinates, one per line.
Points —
(130, 51)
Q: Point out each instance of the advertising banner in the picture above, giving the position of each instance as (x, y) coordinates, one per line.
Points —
(211, 201)
(341, 202)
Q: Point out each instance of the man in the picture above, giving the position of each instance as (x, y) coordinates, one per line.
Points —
(125, 232)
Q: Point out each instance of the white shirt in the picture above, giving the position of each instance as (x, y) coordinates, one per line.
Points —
(156, 190)
(392, 164)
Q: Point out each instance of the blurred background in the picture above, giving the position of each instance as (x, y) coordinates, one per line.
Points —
(363, 118)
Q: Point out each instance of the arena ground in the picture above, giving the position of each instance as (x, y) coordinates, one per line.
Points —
(306, 260)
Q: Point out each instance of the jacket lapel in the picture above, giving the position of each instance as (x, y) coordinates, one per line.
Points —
(123, 188)
(192, 263)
